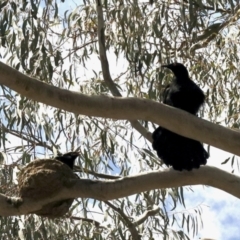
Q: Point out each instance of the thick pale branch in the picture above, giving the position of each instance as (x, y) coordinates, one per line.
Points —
(173, 119)
(112, 189)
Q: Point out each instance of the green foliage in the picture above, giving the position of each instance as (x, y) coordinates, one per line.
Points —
(57, 42)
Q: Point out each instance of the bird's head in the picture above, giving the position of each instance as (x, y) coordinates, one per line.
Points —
(178, 69)
(68, 158)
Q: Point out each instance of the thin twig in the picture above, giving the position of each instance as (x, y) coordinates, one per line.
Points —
(96, 223)
(126, 221)
(145, 215)
(21, 135)
(100, 175)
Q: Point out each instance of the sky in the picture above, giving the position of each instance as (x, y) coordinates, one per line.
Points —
(219, 209)
(220, 215)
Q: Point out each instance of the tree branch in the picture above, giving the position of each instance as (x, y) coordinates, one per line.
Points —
(95, 174)
(134, 233)
(106, 73)
(113, 189)
(213, 30)
(202, 6)
(102, 50)
(171, 118)
(145, 215)
(23, 136)
(89, 220)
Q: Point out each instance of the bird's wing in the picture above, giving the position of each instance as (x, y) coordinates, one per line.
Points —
(165, 93)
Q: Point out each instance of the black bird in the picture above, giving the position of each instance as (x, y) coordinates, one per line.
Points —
(183, 93)
(68, 158)
(175, 150)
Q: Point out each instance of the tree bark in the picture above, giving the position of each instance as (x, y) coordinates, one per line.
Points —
(112, 189)
(171, 118)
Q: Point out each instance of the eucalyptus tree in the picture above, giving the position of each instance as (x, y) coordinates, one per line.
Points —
(98, 65)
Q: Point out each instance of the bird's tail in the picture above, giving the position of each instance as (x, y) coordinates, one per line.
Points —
(178, 151)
